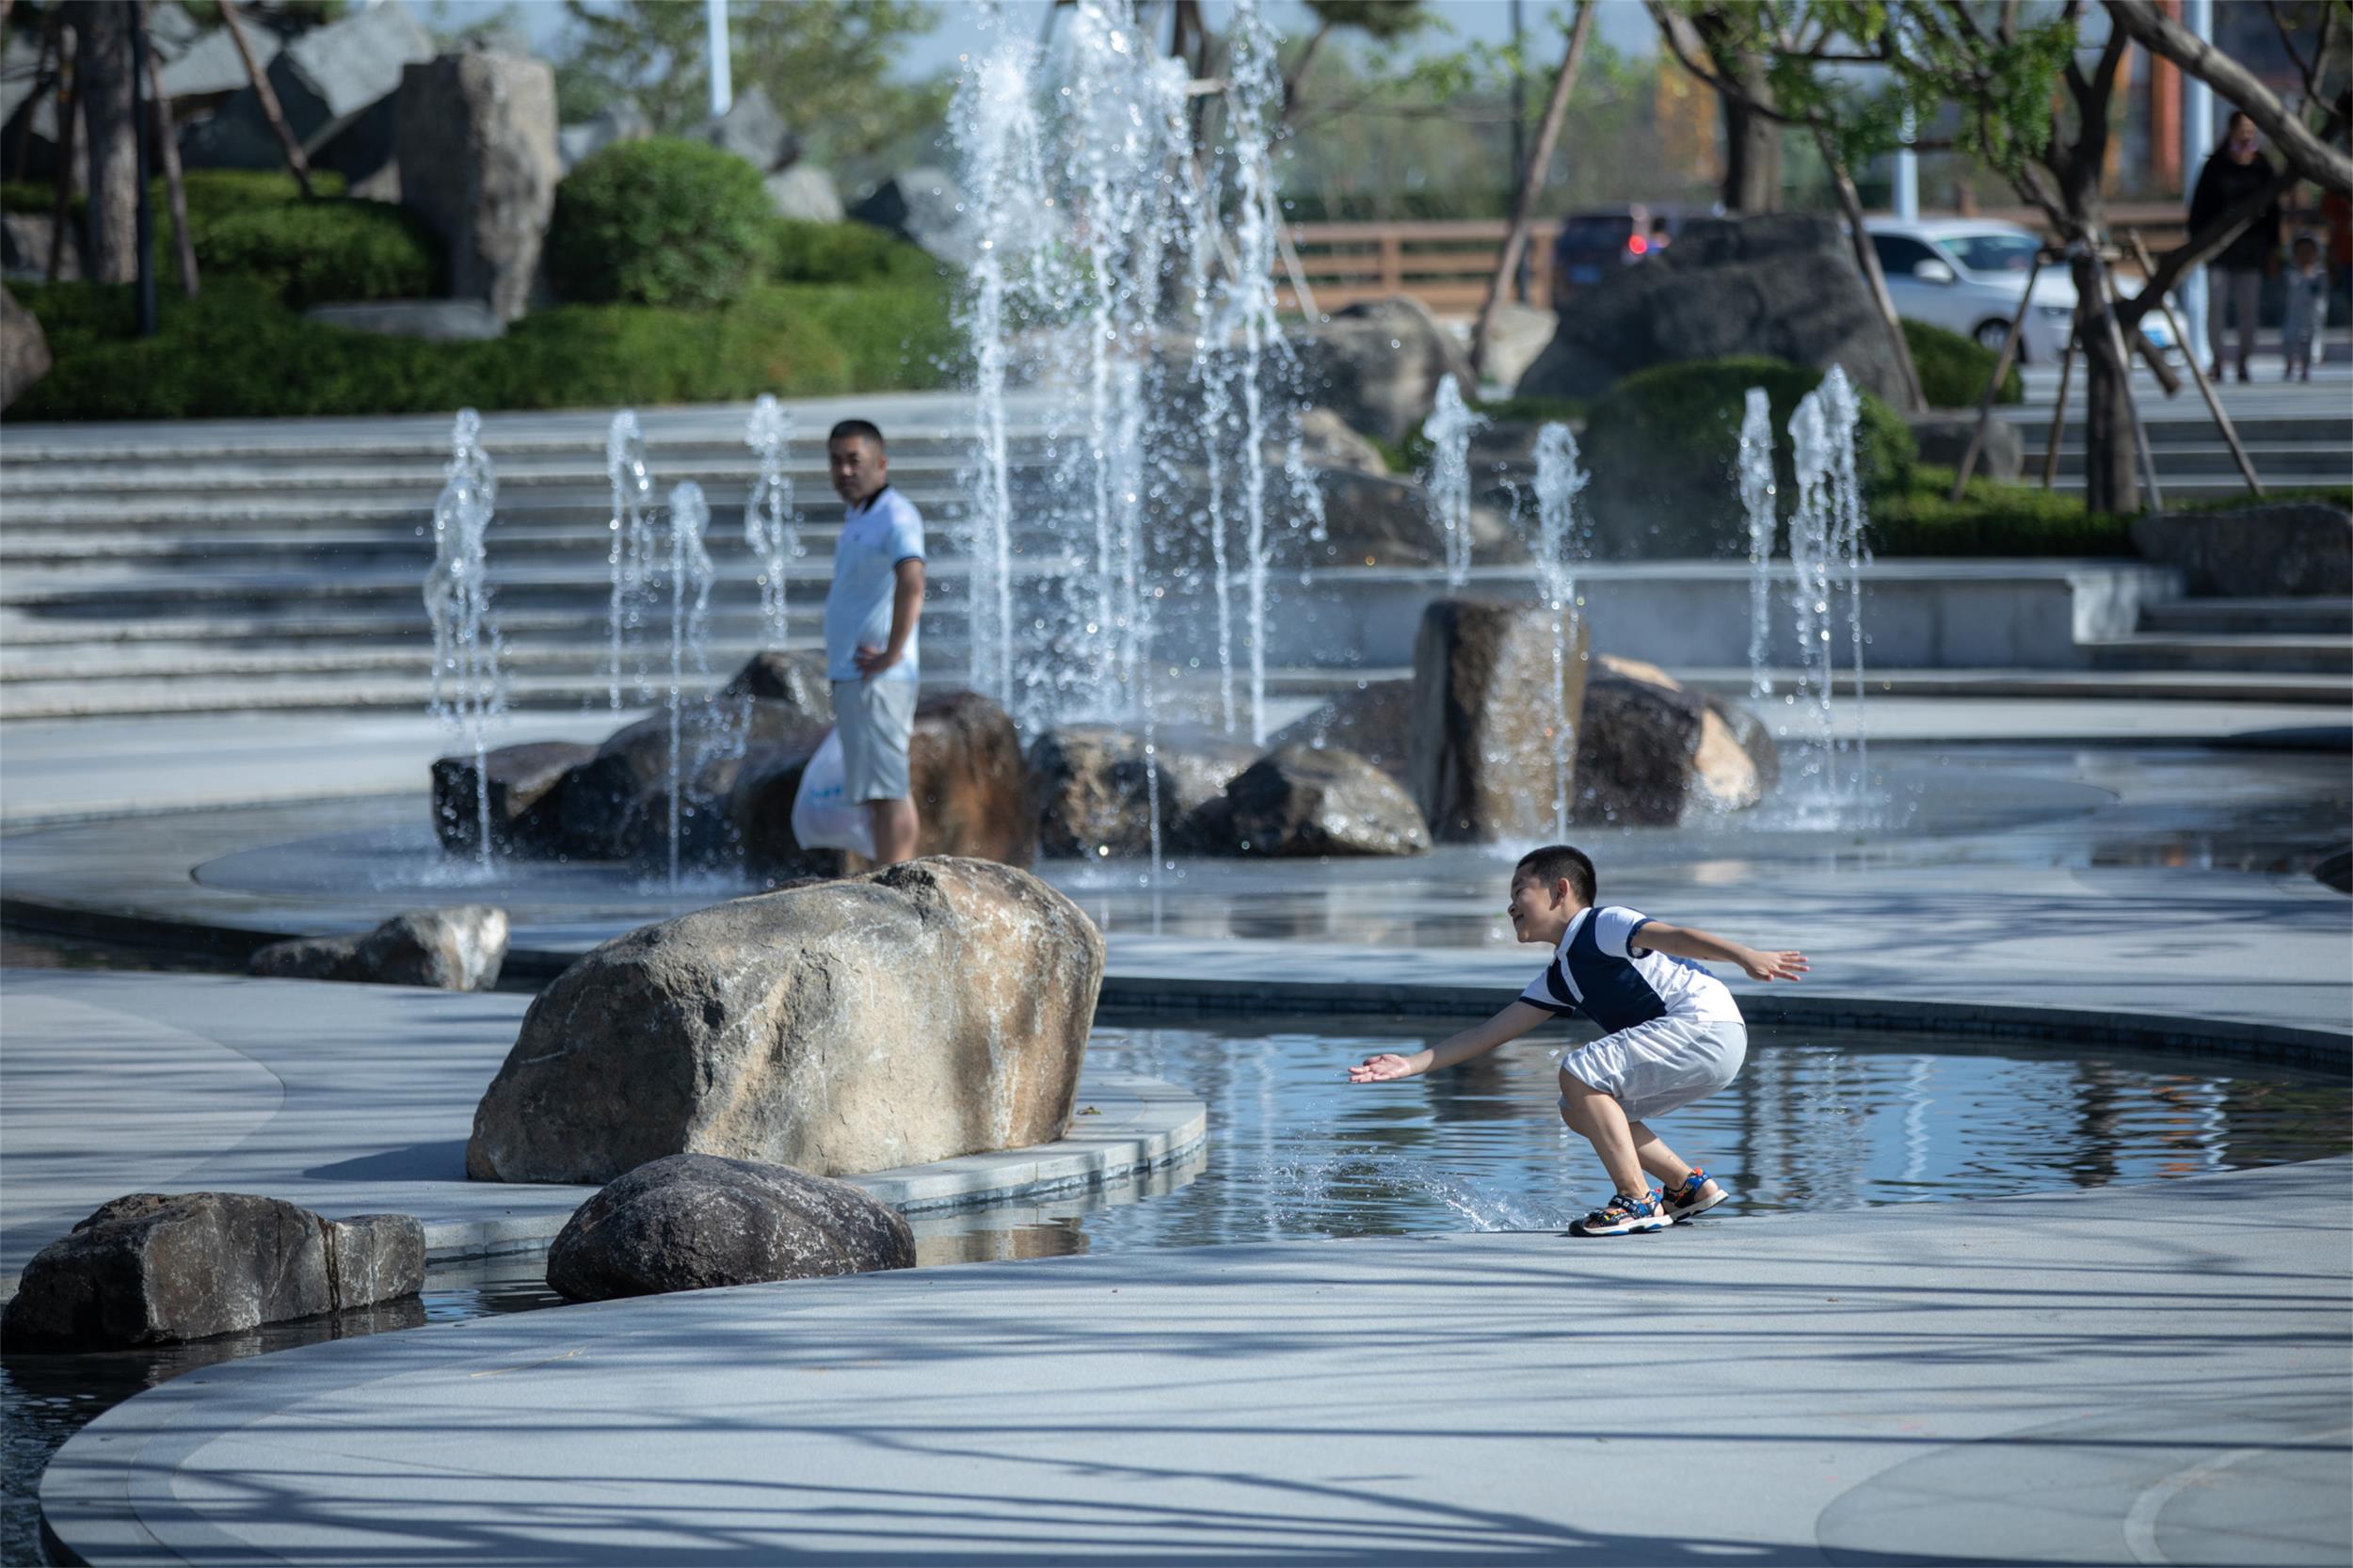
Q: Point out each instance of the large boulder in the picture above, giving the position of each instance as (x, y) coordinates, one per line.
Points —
(1094, 792)
(483, 127)
(1489, 710)
(1653, 753)
(694, 1221)
(152, 1269)
(1371, 519)
(1327, 442)
(753, 131)
(965, 766)
(795, 680)
(1373, 719)
(1942, 436)
(526, 782)
(1378, 364)
(2277, 548)
(1517, 335)
(338, 87)
(1297, 801)
(1783, 285)
(24, 241)
(806, 194)
(928, 1010)
(924, 207)
(459, 948)
(24, 349)
(615, 805)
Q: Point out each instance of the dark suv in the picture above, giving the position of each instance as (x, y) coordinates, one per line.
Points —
(1595, 243)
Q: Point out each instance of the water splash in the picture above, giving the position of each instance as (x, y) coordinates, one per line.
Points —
(1843, 412)
(1560, 476)
(771, 525)
(1448, 430)
(1757, 503)
(469, 688)
(1253, 107)
(690, 576)
(628, 551)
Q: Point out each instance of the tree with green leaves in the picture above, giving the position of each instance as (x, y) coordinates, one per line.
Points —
(826, 67)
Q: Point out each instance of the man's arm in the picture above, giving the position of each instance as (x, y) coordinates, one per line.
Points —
(906, 607)
(1681, 941)
(1510, 1024)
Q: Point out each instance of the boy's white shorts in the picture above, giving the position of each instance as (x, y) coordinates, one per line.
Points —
(1661, 1065)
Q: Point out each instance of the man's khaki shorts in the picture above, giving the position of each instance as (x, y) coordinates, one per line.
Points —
(874, 718)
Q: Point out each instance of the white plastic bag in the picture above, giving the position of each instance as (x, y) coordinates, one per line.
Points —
(822, 817)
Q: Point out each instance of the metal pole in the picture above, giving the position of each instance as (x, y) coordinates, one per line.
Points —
(1993, 382)
(143, 227)
(2197, 143)
(2197, 374)
(722, 67)
(1519, 140)
(1907, 177)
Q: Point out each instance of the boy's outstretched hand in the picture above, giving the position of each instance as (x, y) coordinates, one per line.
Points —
(1773, 966)
(1381, 1069)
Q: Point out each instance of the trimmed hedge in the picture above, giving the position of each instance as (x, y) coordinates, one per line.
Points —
(660, 222)
(1990, 519)
(238, 352)
(802, 253)
(1953, 370)
(315, 252)
(1664, 445)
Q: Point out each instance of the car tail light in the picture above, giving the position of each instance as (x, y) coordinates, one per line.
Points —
(1636, 245)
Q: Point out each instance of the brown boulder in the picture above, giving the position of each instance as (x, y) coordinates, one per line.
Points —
(1378, 364)
(917, 1013)
(525, 780)
(1297, 801)
(1652, 753)
(1373, 719)
(477, 143)
(152, 1269)
(694, 1221)
(1485, 718)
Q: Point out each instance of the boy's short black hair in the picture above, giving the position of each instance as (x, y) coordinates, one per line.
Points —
(1559, 863)
(859, 429)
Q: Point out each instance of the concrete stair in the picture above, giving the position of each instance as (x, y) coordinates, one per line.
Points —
(2307, 448)
(2270, 636)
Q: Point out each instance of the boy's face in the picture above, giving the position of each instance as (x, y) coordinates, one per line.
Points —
(1541, 913)
(858, 468)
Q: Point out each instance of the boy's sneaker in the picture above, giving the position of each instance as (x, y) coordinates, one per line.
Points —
(1694, 1194)
(1623, 1216)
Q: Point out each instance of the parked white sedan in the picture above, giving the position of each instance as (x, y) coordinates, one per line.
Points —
(1968, 274)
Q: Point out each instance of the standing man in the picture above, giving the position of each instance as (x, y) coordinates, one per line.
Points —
(2234, 278)
(870, 616)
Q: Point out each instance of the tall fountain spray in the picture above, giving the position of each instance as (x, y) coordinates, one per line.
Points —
(1448, 430)
(1213, 377)
(468, 689)
(771, 525)
(1758, 504)
(691, 575)
(1560, 545)
(1254, 106)
(1843, 412)
(629, 550)
(1811, 529)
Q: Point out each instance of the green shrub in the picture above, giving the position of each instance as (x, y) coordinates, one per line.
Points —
(659, 222)
(208, 190)
(801, 252)
(1990, 519)
(311, 252)
(1539, 410)
(1664, 444)
(1953, 370)
(239, 352)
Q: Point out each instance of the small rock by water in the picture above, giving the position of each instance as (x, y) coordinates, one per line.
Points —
(1653, 753)
(694, 1221)
(1298, 800)
(457, 949)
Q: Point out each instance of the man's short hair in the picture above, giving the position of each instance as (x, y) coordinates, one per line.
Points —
(859, 429)
(1559, 863)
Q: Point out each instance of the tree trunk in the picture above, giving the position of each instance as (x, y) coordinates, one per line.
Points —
(2111, 469)
(103, 61)
(1866, 261)
(1531, 181)
(1751, 145)
(167, 146)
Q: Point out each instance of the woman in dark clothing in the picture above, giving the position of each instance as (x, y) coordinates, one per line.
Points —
(2235, 278)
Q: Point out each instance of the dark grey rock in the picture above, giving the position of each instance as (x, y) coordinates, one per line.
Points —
(1094, 792)
(1372, 520)
(925, 207)
(432, 320)
(618, 122)
(1651, 753)
(24, 249)
(1373, 719)
(1327, 442)
(928, 1010)
(484, 125)
(1297, 801)
(24, 349)
(613, 804)
(797, 680)
(754, 132)
(1378, 365)
(526, 784)
(152, 1269)
(210, 65)
(1782, 284)
(1486, 718)
(692, 1222)
(458, 949)
(806, 194)
(2291, 547)
(1942, 437)
(338, 86)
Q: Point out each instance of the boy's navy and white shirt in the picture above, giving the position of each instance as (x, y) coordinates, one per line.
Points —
(1602, 969)
(875, 538)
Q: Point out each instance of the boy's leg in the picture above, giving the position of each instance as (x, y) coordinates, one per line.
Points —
(1656, 1158)
(1601, 1120)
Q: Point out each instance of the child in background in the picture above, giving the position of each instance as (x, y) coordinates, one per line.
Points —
(2307, 307)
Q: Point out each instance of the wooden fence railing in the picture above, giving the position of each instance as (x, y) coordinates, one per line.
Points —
(1446, 265)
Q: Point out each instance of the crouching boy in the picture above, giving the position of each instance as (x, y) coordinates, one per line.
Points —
(1673, 1032)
